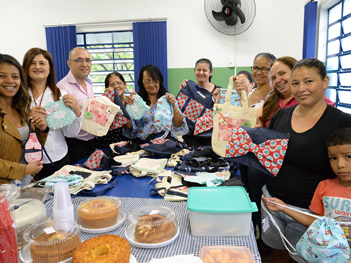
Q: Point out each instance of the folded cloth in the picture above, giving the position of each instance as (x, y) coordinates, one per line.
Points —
(127, 159)
(148, 166)
(72, 179)
(138, 108)
(177, 259)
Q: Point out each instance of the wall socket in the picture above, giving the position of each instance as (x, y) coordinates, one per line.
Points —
(231, 62)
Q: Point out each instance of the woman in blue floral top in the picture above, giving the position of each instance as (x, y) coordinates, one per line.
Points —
(151, 89)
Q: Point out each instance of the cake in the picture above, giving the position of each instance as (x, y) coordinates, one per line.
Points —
(98, 213)
(103, 249)
(156, 228)
(54, 247)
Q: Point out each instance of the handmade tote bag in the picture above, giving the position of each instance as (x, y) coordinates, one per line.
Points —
(226, 117)
(196, 104)
(58, 115)
(98, 114)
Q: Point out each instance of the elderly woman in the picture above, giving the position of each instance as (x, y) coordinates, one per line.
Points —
(151, 89)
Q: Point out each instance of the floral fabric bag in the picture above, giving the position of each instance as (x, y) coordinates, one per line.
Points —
(58, 115)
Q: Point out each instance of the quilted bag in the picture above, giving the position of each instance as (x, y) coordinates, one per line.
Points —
(196, 105)
(59, 115)
(226, 117)
(163, 114)
(98, 160)
(122, 117)
(98, 114)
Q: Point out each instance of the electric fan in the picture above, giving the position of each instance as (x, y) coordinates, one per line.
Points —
(231, 17)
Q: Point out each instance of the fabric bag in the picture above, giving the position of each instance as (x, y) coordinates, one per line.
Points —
(323, 241)
(196, 104)
(138, 108)
(32, 147)
(163, 115)
(234, 98)
(58, 115)
(226, 117)
(98, 161)
(122, 117)
(98, 114)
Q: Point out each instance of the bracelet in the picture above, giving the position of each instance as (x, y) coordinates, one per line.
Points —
(176, 111)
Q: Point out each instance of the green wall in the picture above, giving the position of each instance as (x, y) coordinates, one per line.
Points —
(220, 77)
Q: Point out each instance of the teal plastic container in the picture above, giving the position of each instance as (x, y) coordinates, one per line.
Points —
(220, 211)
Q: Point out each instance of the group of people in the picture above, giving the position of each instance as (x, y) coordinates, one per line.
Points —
(288, 93)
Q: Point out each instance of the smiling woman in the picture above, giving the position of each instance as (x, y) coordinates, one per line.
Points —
(41, 82)
(14, 131)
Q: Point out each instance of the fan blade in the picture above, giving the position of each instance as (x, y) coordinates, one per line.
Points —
(231, 20)
(219, 16)
(239, 13)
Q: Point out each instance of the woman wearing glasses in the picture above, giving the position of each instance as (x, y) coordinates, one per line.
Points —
(114, 82)
(41, 82)
(151, 89)
(260, 73)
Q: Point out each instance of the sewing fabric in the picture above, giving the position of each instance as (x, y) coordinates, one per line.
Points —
(138, 108)
(59, 115)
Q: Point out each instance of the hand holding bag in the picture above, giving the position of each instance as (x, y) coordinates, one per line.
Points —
(226, 117)
(98, 114)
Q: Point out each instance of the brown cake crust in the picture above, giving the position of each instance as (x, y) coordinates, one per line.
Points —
(152, 229)
(61, 247)
(103, 249)
(98, 213)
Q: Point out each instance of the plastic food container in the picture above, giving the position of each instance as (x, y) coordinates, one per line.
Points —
(219, 254)
(220, 211)
(100, 213)
(152, 227)
(29, 212)
(50, 241)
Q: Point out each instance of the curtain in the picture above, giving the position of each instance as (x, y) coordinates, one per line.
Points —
(310, 30)
(150, 47)
(59, 41)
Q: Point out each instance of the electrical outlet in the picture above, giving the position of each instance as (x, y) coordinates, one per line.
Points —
(231, 62)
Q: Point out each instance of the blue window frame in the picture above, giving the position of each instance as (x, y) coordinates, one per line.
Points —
(109, 51)
(339, 55)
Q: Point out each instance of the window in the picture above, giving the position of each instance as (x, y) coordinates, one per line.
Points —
(339, 54)
(109, 51)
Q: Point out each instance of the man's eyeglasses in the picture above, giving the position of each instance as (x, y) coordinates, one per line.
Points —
(81, 61)
(148, 82)
(119, 83)
(264, 70)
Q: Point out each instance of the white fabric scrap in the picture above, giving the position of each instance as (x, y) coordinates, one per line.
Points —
(178, 259)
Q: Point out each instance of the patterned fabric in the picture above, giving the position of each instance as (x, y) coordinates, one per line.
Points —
(324, 241)
(146, 126)
(138, 108)
(163, 114)
(155, 141)
(234, 99)
(97, 112)
(112, 136)
(121, 118)
(32, 151)
(59, 115)
(202, 124)
(270, 153)
(94, 160)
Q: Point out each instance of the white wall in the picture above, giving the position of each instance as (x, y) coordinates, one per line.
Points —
(278, 27)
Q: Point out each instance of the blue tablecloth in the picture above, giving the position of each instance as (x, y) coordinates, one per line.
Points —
(185, 243)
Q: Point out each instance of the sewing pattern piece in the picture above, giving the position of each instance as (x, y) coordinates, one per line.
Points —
(59, 115)
(270, 153)
(138, 108)
(100, 113)
(163, 114)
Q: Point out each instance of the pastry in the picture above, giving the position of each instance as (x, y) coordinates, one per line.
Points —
(98, 213)
(156, 228)
(53, 247)
(103, 249)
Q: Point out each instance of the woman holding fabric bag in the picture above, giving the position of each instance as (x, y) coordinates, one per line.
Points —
(41, 82)
(114, 82)
(151, 90)
(14, 117)
(306, 161)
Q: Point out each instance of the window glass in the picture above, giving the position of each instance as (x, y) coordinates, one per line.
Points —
(345, 62)
(98, 38)
(345, 96)
(346, 25)
(335, 13)
(334, 47)
(334, 31)
(347, 7)
(345, 79)
(333, 79)
(331, 94)
(333, 63)
(346, 44)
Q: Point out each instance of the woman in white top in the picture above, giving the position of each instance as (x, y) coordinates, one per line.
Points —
(41, 83)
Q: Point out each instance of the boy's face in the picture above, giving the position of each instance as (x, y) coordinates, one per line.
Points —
(340, 161)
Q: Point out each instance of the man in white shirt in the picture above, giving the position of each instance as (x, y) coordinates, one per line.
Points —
(77, 83)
